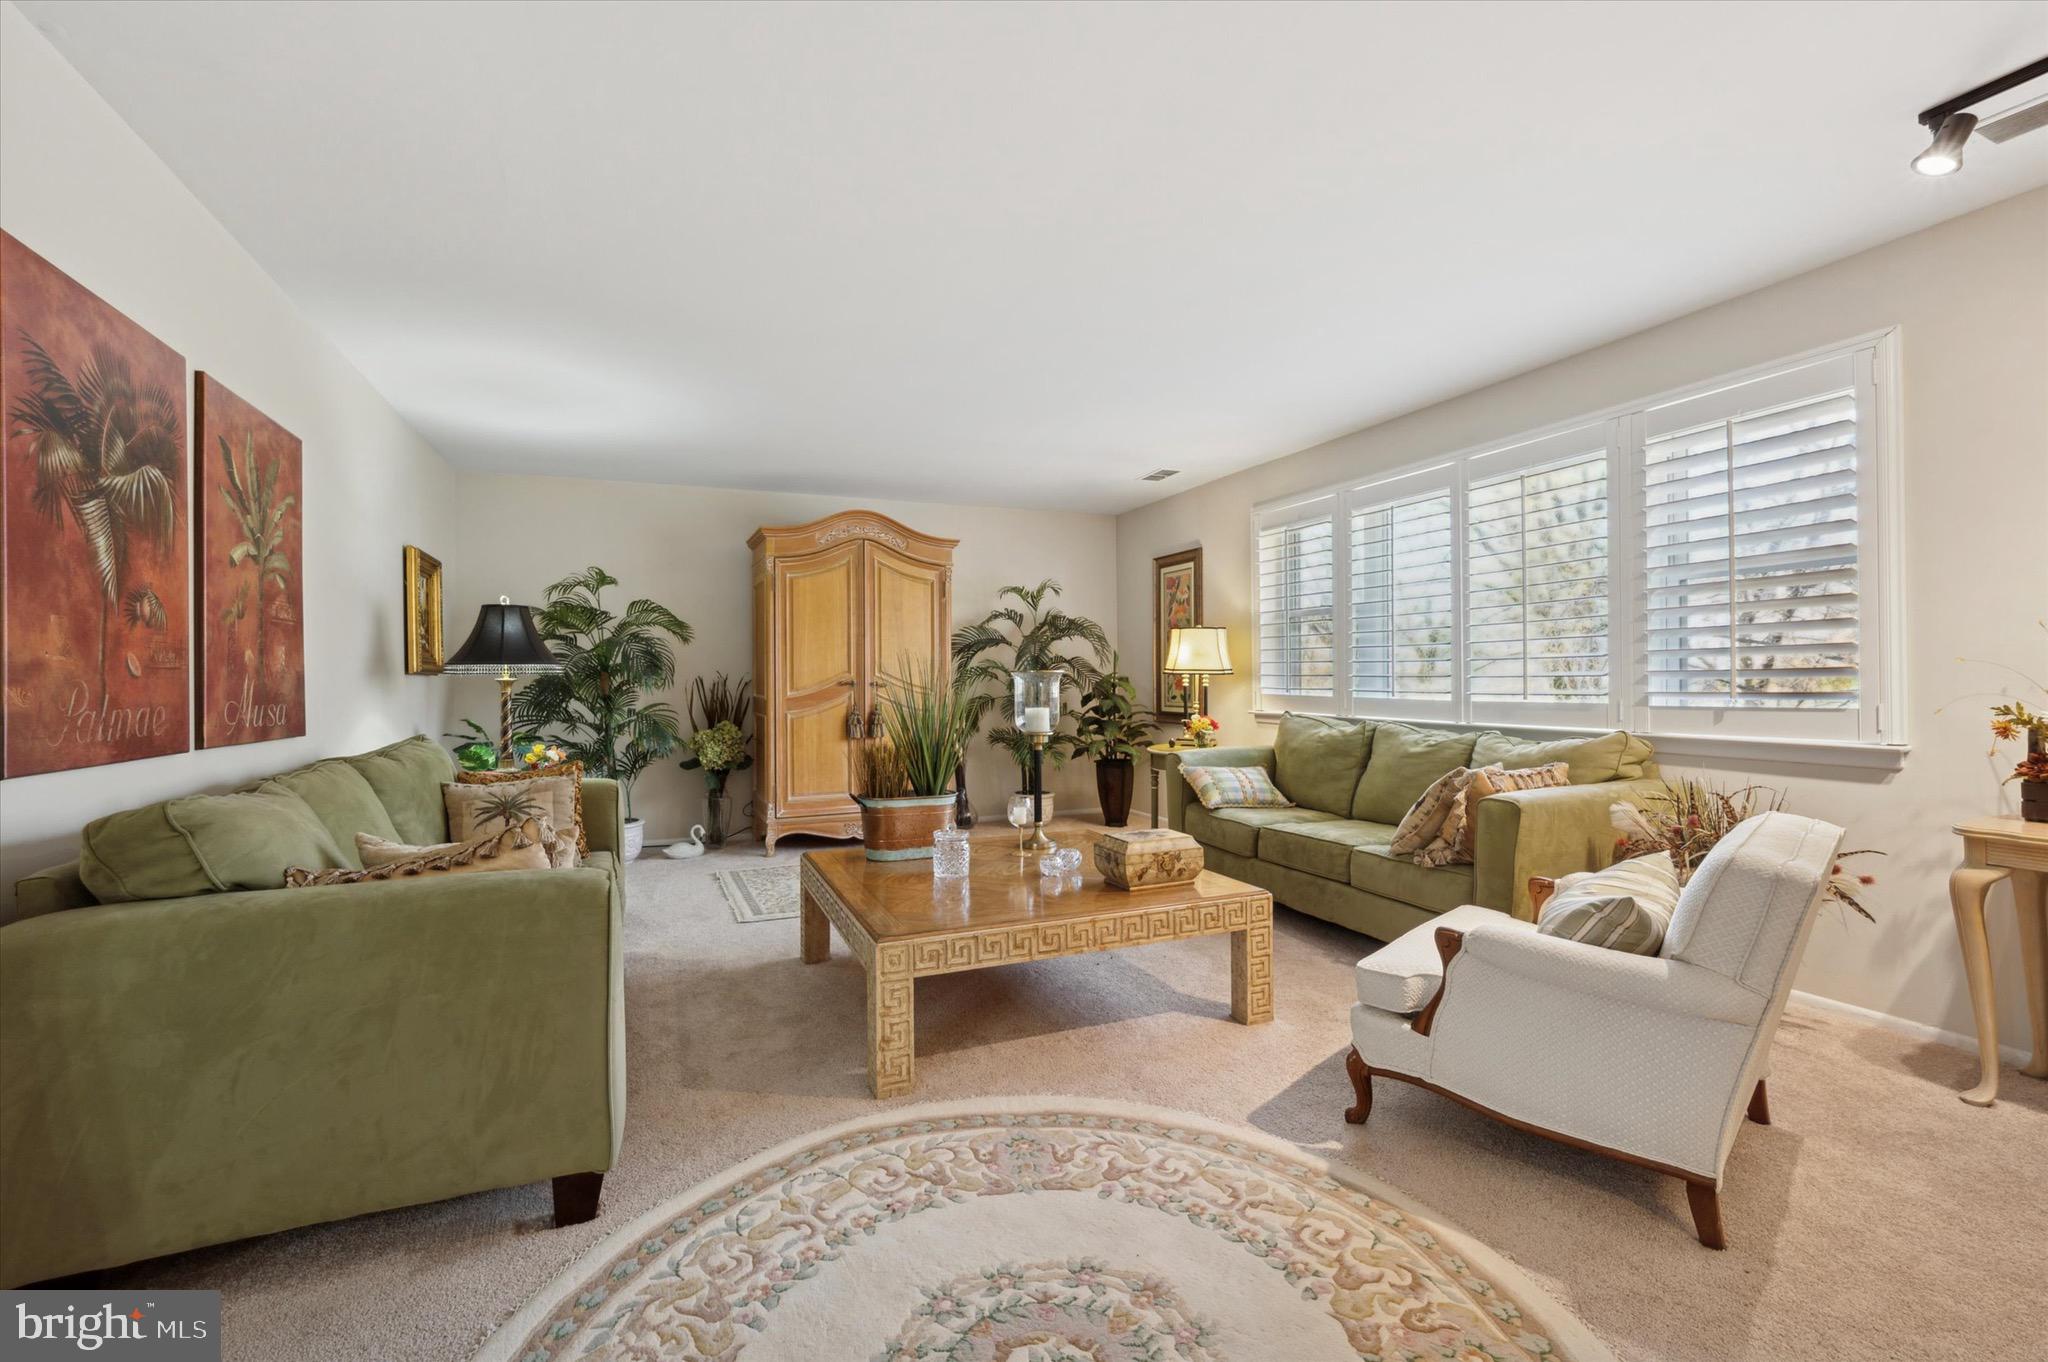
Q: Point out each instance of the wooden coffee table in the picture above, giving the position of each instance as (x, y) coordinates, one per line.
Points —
(902, 923)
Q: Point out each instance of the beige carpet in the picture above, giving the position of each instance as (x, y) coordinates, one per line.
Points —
(1879, 1218)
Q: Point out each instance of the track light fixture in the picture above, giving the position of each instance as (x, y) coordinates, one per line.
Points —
(1952, 126)
(1944, 155)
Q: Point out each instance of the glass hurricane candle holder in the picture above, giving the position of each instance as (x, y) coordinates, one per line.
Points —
(1035, 702)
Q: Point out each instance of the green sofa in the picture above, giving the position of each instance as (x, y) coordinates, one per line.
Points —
(188, 1057)
(1351, 780)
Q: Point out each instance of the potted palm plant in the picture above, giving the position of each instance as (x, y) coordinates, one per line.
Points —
(906, 774)
(1112, 730)
(718, 745)
(1027, 631)
(597, 707)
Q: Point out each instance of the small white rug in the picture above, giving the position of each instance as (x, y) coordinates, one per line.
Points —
(764, 894)
(1040, 1229)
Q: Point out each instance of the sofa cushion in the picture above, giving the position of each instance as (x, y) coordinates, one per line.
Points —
(203, 844)
(1317, 760)
(408, 777)
(1402, 975)
(1611, 756)
(1322, 848)
(1376, 869)
(1405, 762)
(341, 799)
(1237, 830)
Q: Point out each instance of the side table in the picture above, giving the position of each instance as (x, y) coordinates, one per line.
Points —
(1995, 849)
(1158, 766)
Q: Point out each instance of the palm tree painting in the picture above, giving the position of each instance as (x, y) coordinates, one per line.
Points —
(93, 517)
(252, 651)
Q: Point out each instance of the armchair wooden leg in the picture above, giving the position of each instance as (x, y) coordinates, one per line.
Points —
(576, 1198)
(1361, 1083)
(1760, 1104)
(1705, 1200)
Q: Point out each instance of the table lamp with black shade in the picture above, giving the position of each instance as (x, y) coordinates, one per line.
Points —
(507, 645)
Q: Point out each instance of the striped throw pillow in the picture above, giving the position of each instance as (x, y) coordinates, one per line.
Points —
(1626, 907)
(1235, 787)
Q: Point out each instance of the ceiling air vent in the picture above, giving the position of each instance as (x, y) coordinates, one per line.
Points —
(1160, 475)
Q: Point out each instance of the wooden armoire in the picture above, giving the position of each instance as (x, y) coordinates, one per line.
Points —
(838, 604)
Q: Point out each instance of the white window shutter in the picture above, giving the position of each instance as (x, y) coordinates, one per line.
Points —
(1751, 548)
(1297, 602)
(1536, 584)
(1403, 602)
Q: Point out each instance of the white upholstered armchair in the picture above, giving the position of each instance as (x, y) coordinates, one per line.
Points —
(1650, 1059)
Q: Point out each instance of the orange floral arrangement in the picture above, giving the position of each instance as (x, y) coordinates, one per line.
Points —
(1201, 729)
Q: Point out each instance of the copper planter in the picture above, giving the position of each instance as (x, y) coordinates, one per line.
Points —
(901, 829)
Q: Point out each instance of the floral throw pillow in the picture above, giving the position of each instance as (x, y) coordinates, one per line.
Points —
(1235, 787)
(1432, 830)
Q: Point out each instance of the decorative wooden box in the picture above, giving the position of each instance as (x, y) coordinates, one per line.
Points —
(1147, 858)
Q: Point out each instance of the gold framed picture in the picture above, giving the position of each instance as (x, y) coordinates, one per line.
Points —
(1176, 604)
(423, 645)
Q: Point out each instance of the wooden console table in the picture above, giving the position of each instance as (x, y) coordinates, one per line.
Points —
(1995, 849)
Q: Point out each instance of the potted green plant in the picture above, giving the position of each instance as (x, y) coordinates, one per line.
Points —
(596, 708)
(477, 749)
(1113, 730)
(1029, 635)
(906, 774)
(718, 744)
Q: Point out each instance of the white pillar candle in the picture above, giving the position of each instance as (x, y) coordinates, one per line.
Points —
(1038, 718)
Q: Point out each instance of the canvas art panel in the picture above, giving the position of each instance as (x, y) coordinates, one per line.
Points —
(251, 553)
(424, 654)
(1176, 604)
(93, 528)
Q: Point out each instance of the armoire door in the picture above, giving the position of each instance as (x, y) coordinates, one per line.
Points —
(907, 616)
(818, 681)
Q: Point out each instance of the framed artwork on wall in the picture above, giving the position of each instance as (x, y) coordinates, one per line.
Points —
(1176, 604)
(251, 552)
(424, 652)
(97, 625)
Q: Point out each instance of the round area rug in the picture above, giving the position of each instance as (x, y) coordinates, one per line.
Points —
(1039, 1230)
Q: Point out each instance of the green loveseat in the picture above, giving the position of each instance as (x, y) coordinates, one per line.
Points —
(187, 1058)
(1351, 781)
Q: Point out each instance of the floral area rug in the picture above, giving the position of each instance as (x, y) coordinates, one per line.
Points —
(1040, 1230)
(768, 893)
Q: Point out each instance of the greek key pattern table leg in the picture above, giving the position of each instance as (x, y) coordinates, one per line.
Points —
(892, 1021)
(1251, 968)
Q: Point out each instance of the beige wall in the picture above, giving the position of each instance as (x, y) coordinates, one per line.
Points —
(84, 191)
(1971, 299)
(687, 548)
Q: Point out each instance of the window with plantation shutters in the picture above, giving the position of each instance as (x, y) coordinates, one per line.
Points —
(1716, 563)
(1297, 604)
(1403, 611)
(1752, 546)
(1536, 589)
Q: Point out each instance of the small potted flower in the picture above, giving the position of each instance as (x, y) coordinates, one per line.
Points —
(538, 753)
(1201, 730)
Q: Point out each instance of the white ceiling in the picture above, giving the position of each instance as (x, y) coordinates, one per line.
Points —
(1021, 254)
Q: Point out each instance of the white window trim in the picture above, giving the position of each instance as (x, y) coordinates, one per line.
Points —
(1882, 740)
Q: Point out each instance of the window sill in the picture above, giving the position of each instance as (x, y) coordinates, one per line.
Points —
(1692, 748)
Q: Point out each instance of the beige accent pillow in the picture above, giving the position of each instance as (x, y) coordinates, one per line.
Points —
(1428, 832)
(520, 848)
(489, 801)
(1490, 780)
(374, 851)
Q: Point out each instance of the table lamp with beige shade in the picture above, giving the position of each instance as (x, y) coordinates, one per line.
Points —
(1198, 652)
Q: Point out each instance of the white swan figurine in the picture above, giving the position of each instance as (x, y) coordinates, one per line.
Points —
(690, 850)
